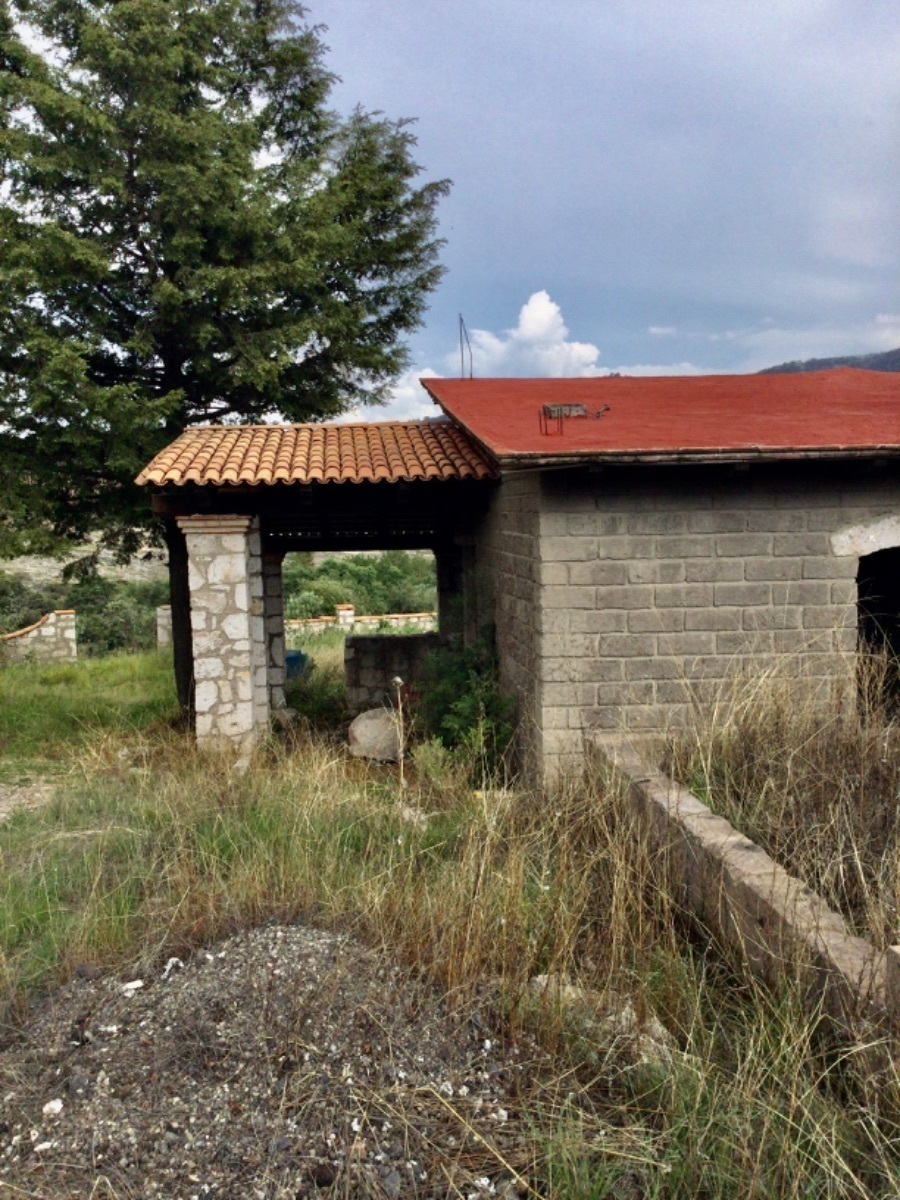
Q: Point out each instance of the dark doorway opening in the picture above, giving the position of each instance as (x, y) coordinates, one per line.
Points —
(878, 607)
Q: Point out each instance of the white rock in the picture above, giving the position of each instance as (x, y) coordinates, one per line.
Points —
(52, 1108)
(373, 734)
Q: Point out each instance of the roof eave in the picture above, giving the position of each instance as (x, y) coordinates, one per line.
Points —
(575, 458)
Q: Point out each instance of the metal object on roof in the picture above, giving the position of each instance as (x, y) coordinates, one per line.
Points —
(389, 452)
(842, 412)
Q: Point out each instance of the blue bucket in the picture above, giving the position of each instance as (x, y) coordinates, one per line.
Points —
(295, 663)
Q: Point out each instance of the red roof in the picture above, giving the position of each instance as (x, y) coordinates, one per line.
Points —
(816, 413)
(389, 451)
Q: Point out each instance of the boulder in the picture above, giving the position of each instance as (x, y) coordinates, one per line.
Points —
(374, 734)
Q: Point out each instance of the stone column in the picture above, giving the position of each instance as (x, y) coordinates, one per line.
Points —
(164, 625)
(228, 627)
(273, 609)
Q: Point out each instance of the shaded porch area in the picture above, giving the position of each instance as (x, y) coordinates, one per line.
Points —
(233, 507)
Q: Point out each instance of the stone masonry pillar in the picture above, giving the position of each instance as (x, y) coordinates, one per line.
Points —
(273, 610)
(227, 622)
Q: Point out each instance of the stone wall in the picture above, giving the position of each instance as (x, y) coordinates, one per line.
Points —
(659, 584)
(298, 627)
(507, 595)
(370, 663)
(231, 669)
(51, 639)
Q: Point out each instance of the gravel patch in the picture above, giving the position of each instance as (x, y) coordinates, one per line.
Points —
(286, 1062)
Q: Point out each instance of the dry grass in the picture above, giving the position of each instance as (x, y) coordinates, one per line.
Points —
(155, 849)
(816, 785)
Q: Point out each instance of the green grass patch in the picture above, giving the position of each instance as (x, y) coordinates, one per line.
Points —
(46, 710)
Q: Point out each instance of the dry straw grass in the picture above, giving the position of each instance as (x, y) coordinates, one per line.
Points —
(814, 780)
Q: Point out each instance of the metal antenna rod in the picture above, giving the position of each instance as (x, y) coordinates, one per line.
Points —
(464, 334)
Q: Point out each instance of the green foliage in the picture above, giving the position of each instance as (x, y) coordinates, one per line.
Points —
(188, 232)
(110, 615)
(462, 703)
(394, 582)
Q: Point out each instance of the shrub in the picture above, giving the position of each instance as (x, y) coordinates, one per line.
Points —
(462, 703)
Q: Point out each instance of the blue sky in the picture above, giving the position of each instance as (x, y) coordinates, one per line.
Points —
(642, 185)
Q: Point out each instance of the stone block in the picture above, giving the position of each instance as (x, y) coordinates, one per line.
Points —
(727, 594)
(568, 549)
(717, 522)
(769, 570)
(683, 595)
(714, 570)
(803, 545)
(597, 573)
(650, 571)
(743, 545)
(714, 620)
(657, 620)
(684, 547)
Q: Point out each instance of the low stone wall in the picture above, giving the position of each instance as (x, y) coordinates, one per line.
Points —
(51, 639)
(774, 921)
(371, 662)
(346, 619)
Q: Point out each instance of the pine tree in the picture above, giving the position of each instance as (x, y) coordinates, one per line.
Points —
(187, 233)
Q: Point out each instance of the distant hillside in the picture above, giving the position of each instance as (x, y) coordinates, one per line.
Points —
(888, 361)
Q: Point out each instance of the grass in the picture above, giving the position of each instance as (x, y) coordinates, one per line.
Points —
(817, 787)
(47, 710)
(152, 849)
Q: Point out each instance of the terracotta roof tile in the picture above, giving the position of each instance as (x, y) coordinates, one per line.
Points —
(388, 451)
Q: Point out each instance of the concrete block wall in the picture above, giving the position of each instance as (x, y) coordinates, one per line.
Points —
(657, 585)
(506, 582)
(51, 639)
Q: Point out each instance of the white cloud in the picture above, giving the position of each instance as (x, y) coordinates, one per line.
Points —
(661, 330)
(408, 401)
(538, 346)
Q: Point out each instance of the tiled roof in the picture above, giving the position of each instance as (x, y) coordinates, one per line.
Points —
(388, 451)
(817, 413)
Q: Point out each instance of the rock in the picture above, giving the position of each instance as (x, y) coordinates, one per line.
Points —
(323, 1175)
(373, 734)
(392, 1183)
(610, 1020)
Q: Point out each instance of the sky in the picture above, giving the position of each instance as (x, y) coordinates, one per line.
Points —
(642, 186)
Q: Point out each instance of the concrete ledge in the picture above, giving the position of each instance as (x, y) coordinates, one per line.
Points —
(777, 925)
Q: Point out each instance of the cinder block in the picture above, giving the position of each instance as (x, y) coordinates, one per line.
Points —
(684, 595)
(717, 522)
(742, 593)
(628, 597)
(772, 569)
(746, 642)
(743, 545)
(684, 547)
(655, 667)
(712, 619)
(650, 571)
(656, 620)
(713, 570)
(626, 547)
(772, 520)
(801, 592)
(568, 597)
(771, 618)
(598, 573)
(797, 544)
(657, 522)
(686, 644)
(568, 549)
(600, 620)
(819, 617)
